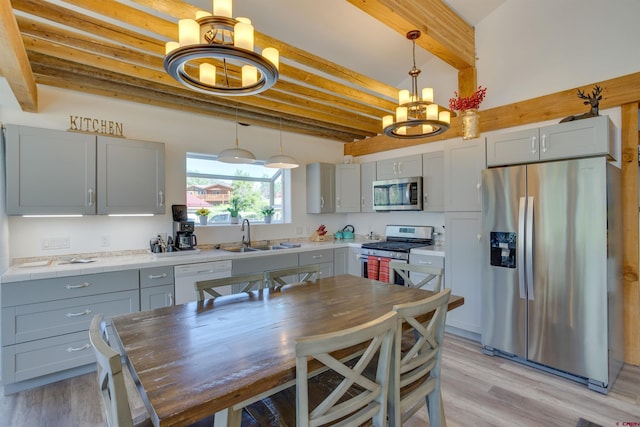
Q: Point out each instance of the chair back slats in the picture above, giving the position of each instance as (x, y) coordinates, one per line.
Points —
(432, 275)
(110, 376)
(417, 369)
(342, 407)
(305, 273)
(248, 282)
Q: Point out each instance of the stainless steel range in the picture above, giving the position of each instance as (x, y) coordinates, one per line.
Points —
(400, 239)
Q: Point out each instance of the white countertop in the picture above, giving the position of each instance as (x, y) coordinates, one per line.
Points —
(129, 262)
(429, 250)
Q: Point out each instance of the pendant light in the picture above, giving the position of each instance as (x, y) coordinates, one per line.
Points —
(237, 154)
(281, 161)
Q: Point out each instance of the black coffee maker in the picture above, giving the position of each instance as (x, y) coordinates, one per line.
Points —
(185, 239)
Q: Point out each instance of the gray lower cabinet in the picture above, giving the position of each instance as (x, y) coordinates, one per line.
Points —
(340, 261)
(427, 261)
(45, 323)
(156, 287)
(322, 257)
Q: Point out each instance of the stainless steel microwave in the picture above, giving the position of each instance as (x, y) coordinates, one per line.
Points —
(402, 194)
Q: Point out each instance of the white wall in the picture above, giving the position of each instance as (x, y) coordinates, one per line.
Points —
(527, 48)
(181, 132)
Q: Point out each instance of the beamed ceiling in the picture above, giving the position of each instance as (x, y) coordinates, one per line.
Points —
(116, 48)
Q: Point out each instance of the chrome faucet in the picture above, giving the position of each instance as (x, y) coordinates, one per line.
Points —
(246, 243)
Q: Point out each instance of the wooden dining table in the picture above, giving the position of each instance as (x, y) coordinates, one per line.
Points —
(214, 357)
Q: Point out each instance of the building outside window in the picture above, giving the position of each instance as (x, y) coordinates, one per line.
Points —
(212, 185)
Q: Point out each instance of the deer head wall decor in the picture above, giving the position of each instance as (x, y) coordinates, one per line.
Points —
(593, 100)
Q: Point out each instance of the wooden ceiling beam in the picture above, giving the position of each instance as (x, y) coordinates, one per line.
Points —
(616, 92)
(444, 33)
(14, 65)
(116, 90)
(309, 109)
(81, 72)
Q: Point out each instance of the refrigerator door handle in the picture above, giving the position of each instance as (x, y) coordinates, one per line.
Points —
(521, 252)
(529, 249)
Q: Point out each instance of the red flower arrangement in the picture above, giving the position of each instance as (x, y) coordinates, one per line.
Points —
(467, 103)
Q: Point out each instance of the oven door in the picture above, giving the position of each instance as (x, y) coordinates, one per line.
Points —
(364, 270)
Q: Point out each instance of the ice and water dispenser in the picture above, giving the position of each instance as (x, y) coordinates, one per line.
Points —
(503, 249)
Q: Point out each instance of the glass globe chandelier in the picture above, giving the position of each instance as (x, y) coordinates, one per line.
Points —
(417, 116)
(217, 45)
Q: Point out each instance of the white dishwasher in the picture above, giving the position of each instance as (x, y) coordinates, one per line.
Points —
(187, 275)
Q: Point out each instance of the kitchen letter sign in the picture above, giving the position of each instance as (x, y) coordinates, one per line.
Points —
(89, 125)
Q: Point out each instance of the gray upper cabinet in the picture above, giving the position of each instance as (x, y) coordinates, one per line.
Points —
(348, 188)
(53, 172)
(130, 176)
(367, 176)
(400, 167)
(579, 138)
(433, 181)
(50, 172)
(463, 165)
(321, 188)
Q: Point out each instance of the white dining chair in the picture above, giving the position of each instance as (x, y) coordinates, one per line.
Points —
(369, 401)
(307, 273)
(416, 370)
(432, 275)
(111, 379)
(247, 282)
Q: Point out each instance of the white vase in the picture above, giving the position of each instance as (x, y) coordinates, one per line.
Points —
(267, 219)
(203, 219)
(234, 220)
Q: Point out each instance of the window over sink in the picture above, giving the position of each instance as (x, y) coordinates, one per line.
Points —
(212, 185)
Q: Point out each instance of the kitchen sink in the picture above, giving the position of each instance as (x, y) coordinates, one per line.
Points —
(254, 248)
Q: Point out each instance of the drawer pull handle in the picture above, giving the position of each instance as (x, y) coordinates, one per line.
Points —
(78, 286)
(82, 313)
(425, 262)
(317, 256)
(74, 349)
(170, 300)
(157, 276)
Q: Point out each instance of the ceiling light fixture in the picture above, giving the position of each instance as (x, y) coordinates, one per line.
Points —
(236, 154)
(416, 116)
(214, 42)
(281, 161)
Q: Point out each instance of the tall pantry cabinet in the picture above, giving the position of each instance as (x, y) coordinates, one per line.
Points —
(464, 162)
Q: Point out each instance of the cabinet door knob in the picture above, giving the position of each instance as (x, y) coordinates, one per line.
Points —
(544, 143)
(91, 197)
(533, 145)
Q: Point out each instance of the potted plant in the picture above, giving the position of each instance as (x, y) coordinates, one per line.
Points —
(234, 209)
(268, 214)
(203, 214)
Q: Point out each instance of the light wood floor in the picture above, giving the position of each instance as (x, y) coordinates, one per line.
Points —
(478, 390)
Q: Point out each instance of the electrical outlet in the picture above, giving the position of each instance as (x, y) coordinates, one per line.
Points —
(105, 242)
(55, 243)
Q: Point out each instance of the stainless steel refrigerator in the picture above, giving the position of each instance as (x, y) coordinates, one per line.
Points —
(552, 267)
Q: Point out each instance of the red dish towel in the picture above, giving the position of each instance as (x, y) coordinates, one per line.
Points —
(384, 270)
(372, 267)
